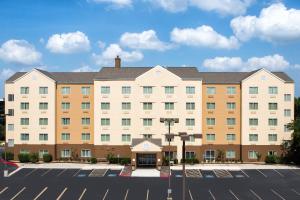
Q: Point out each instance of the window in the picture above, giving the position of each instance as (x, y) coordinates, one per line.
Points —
(253, 137)
(105, 106)
(85, 153)
(126, 105)
(230, 121)
(126, 122)
(65, 105)
(169, 89)
(42, 153)
(287, 97)
(169, 106)
(191, 138)
(230, 105)
(147, 106)
(65, 90)
(252, 154)
(85, 121)
(230, 154)
(190, 90)
(66, 153)
(105, 121)
(85, 136)
(253, 90)
(190, 106)
(210, 121)
(105, 89)
(230, 137)
(209, 155)
(43, 106)
(126, 89)
(24, 136)
(105, 137)
(273, 122)
(210, 106)
(126, 137)
(43, 121)
(147, 136)
(85, 105)
(65, 121)
(147, 122)
(253, 106)
(190, 122)
(210, 90)
(85, 90)
(11, 112)
(170, 154)
(24, 121)
(272, 106)
(272, 137)
(190, 154)
(210, 137)
(147, 90)
(24, 106)
(43, 90)
(11, 97)
(65, 136)
(231, 90)
(273, 90)
(24, 90)
(272, 153)
(287, 112)
(253, 122)
(43, 137)
(10, 127)
(286, 128)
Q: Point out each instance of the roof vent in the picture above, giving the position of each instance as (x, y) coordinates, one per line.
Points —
(118, 62)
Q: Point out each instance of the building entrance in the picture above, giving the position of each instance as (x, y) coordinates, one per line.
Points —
(146, 160)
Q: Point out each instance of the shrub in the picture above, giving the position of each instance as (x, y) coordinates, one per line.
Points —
(272, 159)
(93, 160)
(34, 157)
(24, 157)
(191, 161)
(121, 160)
(125, 161)
(47, 158)
(9, 155)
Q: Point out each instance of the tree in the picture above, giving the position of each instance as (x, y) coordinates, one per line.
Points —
(297, 107)
(293, 148)
(2, 132)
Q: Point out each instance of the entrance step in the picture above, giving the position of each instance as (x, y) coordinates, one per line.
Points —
(193, 173)
(127, 171)
(222, 173)
(165, 171)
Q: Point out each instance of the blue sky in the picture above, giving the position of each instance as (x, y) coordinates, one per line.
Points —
(84, 35)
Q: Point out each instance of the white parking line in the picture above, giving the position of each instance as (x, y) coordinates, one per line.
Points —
(278, 173)
(234, 195)
(262, 173)
(125, 197)
(83, 192)
(191, 195)
(105, 194)
(18, 193)
(30, 172)
(294, 172)
(40, 194)
(76, 173)
(245, 174)
(60, 173)
(46, 172)
(4, 189)
(276, 193)
(211, 194)
(291, 190)
(147, 196)
(61, 194)
(256, 195)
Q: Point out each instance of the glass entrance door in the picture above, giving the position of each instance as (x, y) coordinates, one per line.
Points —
(146, 160)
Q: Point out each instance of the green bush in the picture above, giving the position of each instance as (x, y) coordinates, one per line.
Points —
(121, 160)
(125, 161)
(34, 157)
(93, 160)
(47, 158)
(24, 157)
(272, 159)
(9, 155)
(191, 161)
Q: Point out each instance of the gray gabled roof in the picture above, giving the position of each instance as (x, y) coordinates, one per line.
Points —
(136, 141)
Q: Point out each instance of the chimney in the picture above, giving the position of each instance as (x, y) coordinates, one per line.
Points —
(118, 62)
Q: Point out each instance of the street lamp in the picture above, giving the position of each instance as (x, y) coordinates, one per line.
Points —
(169, 138)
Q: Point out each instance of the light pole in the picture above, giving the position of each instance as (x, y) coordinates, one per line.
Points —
(169, 121)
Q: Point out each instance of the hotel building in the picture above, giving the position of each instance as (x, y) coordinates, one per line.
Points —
(118, 109)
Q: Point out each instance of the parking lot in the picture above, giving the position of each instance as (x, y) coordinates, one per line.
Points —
(103, 184)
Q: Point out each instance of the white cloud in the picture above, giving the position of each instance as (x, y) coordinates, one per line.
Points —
(272, 62)
(114, 3)
(108, 55)
(203, 36)
(20, 52)
(67, 43)
(6, 73)
(171, 5)
(144, 40)
(85, 68)
(275, 23)
(101, 44)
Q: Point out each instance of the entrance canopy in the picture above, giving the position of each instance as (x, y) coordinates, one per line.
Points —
(146, 145)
